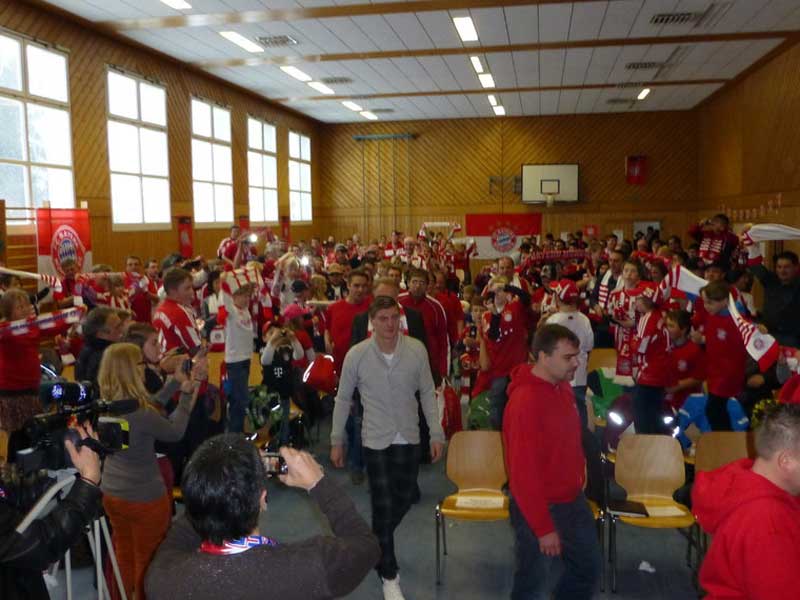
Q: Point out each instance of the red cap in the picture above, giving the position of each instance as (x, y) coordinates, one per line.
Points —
(294, 310)
(321, 374)
(567, 291)
(646, 289)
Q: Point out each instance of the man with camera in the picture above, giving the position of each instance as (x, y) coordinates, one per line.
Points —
(218, 551)
(23, 556)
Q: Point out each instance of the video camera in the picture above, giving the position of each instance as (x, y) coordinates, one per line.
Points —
(71, 403)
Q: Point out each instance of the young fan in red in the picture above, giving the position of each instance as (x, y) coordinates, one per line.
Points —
(651, 371)
(341, 314)
(718, 244)
(752, 510)
(686, 360)
(725, 354)
(622, 312)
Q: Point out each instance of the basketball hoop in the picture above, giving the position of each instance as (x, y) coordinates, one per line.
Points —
(550, 199)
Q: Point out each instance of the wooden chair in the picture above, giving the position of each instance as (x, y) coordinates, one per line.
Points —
(475, 465)
(650, 468)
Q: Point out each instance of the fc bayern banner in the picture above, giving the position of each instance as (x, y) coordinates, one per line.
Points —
(63, 233)
(498, 235)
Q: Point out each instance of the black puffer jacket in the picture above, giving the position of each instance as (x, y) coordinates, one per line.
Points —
(24, 556)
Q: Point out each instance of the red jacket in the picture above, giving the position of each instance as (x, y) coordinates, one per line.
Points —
(176, 326)
(686, 361)
(435, 320)
(651, 350)
(755, 553)
(454, 311)
(725, 355)
(510, 349)
(543, 451)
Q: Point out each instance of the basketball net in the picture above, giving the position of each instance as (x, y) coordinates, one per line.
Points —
(550, 199)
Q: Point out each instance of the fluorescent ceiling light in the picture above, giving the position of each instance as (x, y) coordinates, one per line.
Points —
(369, 115)
(476, 63)
(177, 4)
(492, 100)
(487, 80)
(466, 29)
(500, 111)
(241, 41)
(296, 73)
(321, 88)
(352, 106)
(643, 94)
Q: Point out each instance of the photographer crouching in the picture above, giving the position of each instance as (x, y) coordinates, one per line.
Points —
(216, 549)
(23, 556)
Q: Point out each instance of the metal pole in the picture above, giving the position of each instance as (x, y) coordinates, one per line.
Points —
(408, 178)
(364, 188)
(394, 184)
(380, 185)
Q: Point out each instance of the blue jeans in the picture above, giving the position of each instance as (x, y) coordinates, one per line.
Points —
(239, 395)
(694, 411)
(497, 401)
(580, 554)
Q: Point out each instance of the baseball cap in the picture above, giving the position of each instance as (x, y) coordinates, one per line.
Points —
(293, 311)
(567, 291)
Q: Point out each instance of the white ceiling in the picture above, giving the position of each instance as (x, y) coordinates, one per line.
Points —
(428, 76)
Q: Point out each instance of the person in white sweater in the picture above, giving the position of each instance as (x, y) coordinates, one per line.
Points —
(568, 315)
(238, 347)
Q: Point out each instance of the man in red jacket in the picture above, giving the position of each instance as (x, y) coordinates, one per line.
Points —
(546, 473)
(752, 508)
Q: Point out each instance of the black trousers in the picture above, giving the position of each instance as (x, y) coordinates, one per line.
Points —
(647, 401)
(392, 476)
(717, 413)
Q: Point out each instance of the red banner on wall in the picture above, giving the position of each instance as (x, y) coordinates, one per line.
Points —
(286, 230)
(636, 169)
(63, 233)
(498, 235)
(185, 237)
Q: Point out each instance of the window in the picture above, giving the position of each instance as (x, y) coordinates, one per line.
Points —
(211, 163)
(262, 171)
(137, 153)
(299, 177)
(35, 134)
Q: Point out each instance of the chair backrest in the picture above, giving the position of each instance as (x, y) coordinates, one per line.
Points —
(601, 358)
(649, 465)
(718, 448)
(475, 460)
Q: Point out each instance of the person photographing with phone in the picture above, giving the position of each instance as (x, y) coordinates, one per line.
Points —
(23, 556)
(218, 549)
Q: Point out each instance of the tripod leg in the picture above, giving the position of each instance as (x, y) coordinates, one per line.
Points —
(68, 572)
(113, 556)
(94, 545)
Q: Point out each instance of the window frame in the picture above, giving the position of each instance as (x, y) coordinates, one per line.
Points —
(301, 161)
(27, 98)
(262, 153)
(139, 124)
(212, 140)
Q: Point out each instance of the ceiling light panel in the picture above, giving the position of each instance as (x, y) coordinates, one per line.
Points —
(500, 111)
(643, 94)
(352, 106)
(368, 115)
(476, 63)
(177, 4)
(241, 41)
(321, 88)
(466, 29)
(492, 100)
(486, 80)
(296, 73)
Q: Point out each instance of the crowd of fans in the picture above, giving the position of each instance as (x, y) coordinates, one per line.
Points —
(144, 333)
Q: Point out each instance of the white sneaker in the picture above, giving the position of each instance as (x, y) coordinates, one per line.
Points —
(391, 589)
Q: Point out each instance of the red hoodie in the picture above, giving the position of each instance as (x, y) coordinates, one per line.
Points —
(755, 553)
(542, 441)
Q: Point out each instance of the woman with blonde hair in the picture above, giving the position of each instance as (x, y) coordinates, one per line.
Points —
(135, 498)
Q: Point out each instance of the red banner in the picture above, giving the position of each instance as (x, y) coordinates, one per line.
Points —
(286, 231)
(498, 235)
(636, 169)
(63, 233)
(185, 237)
(244, 222)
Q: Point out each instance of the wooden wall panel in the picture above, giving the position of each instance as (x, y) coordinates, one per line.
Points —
(445, 172)
(749, 142)
(89, 53)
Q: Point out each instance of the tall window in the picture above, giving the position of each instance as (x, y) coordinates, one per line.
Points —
(137, 153)
(262, 171)
(299, 177)
(35, 135)
(211, 163)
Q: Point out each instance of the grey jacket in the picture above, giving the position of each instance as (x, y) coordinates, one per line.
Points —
(387, 393)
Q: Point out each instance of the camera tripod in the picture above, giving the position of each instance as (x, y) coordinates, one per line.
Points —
(97, 526)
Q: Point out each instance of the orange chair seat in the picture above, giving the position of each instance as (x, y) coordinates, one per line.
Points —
(684, 520)
(449, 509)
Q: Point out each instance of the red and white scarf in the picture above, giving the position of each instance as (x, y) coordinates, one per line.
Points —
(237, 546)
(43, 322)
(762, 347)
(766, 232)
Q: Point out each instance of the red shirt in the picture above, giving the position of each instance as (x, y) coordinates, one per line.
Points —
(305, 341)
(69, 288)
(176, 326)
(454, 312)
(651, 355)
(19, 362)
(510, 349)
(435, 319)
(725, 355)
(340, 326)
(686, 361)
(542, 442)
